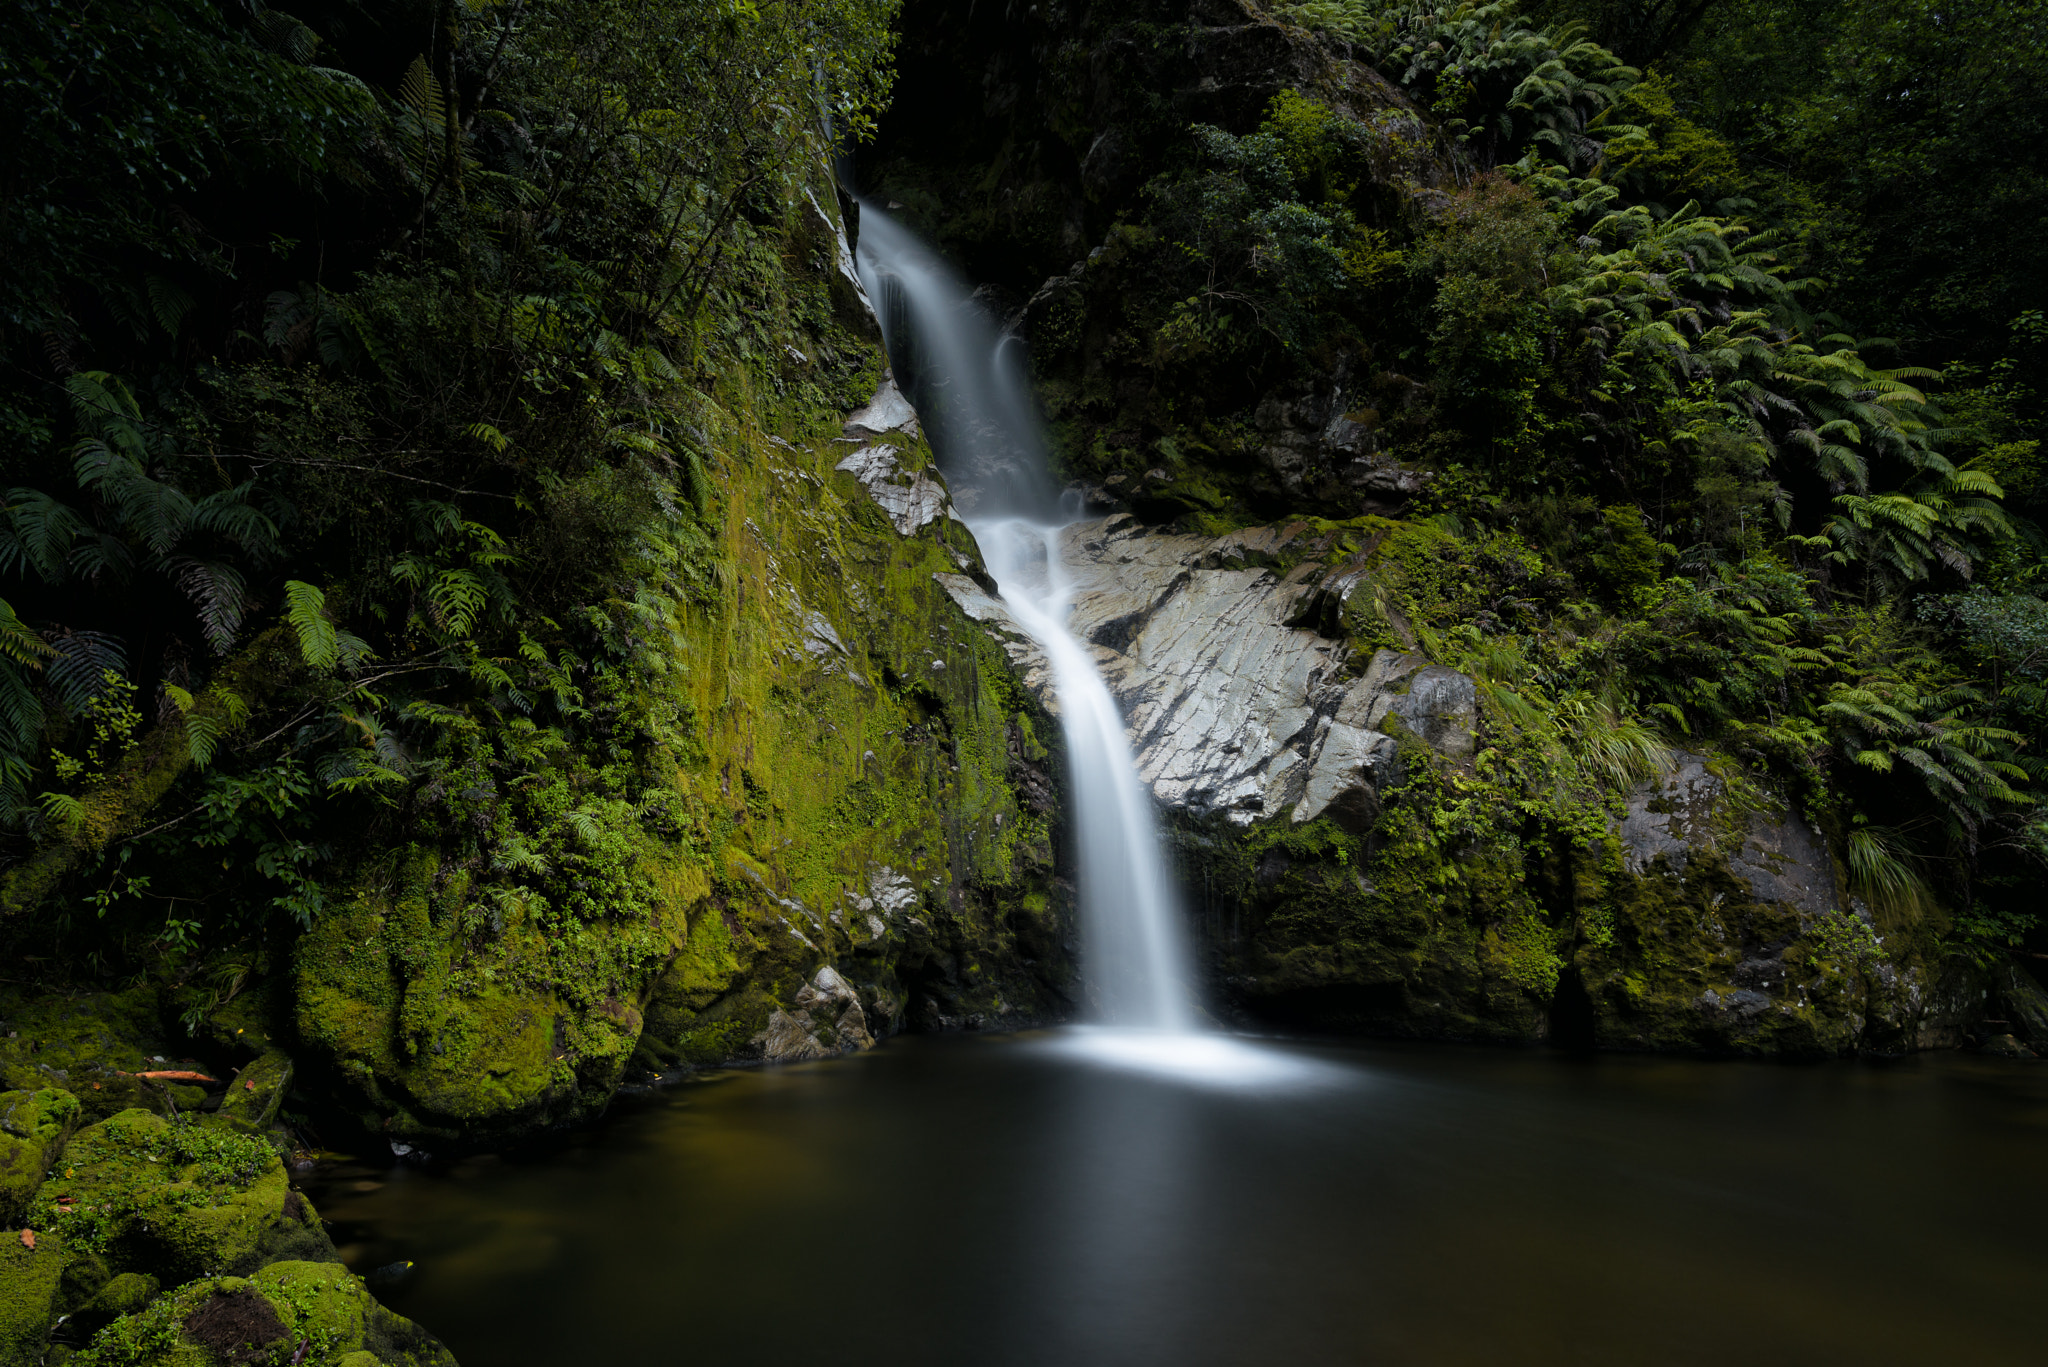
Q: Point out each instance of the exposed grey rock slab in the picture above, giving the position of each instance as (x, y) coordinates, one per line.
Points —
(1780, 857)
(887, 412)
(912, 499)
(1231, 709)
(1670, 816)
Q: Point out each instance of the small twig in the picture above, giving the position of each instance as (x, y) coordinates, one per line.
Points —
(259, 461)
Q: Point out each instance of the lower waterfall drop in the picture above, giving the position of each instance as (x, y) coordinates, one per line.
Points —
(972, 396)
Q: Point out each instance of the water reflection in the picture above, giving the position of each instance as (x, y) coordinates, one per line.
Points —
(1089, 1197)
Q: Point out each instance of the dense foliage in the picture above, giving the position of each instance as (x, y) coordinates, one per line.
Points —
(348, 353)
(1615, 271)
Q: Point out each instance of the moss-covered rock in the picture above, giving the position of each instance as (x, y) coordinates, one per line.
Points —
(175, 1200)
(31, 1273)
(252, 1099)
(310, 1313)
(90, 1044)
(846, 779)
(33, 1127)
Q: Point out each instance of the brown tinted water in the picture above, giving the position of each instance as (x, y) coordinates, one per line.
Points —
(960, 1201)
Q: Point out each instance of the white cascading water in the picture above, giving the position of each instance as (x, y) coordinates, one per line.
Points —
(971, 394)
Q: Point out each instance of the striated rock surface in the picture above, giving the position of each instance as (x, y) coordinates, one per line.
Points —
(1234, 711)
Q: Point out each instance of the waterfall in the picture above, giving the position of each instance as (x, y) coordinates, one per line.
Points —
(971, 394)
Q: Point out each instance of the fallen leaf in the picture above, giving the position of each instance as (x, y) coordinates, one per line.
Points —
(250, 1086)
(28, 1238)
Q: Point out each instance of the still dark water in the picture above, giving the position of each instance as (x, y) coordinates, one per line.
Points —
(1021, 1202)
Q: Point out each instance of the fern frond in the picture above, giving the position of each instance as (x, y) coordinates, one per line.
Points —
(64, 811)
(219, 594)
(18, 643)
(81, 662)
(169, 302)
(40, 534)
(228, 514)
(21, 714)
(306, 610)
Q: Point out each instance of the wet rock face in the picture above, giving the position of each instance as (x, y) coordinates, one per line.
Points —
(1341, 877)
(827, 1020)
(1323, 449)
(1779, 857)
(1235, 712)
(1729, 932)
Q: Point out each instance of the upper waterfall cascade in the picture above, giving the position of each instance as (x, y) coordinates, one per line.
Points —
(970, 391)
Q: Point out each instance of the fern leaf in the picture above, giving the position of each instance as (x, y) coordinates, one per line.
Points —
(421, 96)
(286, 36)
(228, 514)
(21, 716)
(81, 663)
(17, 642)
(306, 610)
(490, 436)
(218, 593)
(203, 732)
(457, 598)
(41, 533)
(169, 302)
(66, 812)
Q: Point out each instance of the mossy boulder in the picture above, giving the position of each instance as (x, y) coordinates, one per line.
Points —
(30, 1283)
(310, 1313)
(33, 1127)
(251, 1101)
(175, 1200)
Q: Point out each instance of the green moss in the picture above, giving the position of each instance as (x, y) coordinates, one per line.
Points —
(77, 1041)
(252, 1099)
(324, 1318)
(173, 1198)
(662, 903)
(327, 1307)
(33, 1127)
(29, 1282)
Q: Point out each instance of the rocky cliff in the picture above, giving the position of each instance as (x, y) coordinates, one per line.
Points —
(1363, 847)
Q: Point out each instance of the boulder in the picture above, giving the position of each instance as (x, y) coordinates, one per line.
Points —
(93, 1046)
(316, 1314)
(253, 1098)
(175, 1200)
(30, 1277)
(33, 1127)
(828, 1020)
